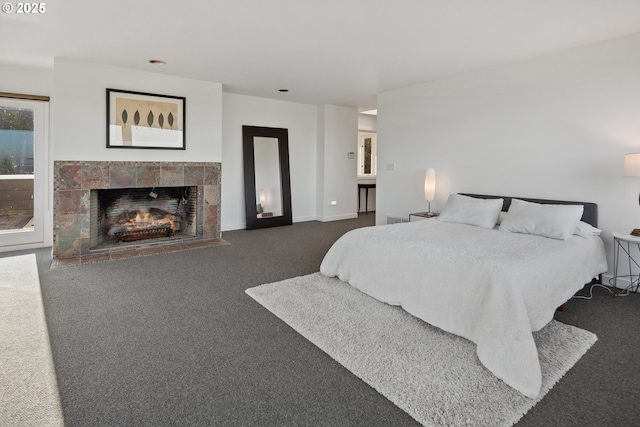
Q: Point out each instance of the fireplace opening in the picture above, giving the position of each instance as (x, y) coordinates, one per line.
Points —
(132, 215)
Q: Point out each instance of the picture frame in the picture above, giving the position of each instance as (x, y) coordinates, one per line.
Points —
(145, 120)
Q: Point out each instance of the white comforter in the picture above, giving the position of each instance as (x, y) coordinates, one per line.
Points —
(491, 287)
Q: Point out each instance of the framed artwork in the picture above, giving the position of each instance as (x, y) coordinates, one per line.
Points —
(145, 120)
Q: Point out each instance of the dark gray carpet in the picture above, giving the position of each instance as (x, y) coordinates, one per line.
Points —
(173, 340)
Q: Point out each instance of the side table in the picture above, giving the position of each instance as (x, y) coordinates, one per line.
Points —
(423, 215)
(366, 187)
(624, 242)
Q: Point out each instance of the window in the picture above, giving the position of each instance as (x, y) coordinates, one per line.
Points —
(16, 142)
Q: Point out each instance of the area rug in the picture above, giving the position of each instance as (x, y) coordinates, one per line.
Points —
(432, 375)
(28, 387)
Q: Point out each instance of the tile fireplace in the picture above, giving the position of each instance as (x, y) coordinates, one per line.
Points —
(108, 210)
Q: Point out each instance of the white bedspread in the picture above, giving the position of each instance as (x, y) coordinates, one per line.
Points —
(491, 287)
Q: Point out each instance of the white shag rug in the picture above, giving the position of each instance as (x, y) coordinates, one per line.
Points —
(28, 386)
(432, 375)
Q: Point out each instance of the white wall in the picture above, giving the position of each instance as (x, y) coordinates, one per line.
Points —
(79, 113)
(337, 137)
(557, 127)
(300, 120)
(26, 81)
(213, 129)
(367, 122)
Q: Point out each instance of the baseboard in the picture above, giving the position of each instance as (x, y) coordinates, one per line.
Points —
(304, 218)
(621, 283)
(336, 217)
(233, 227)
(242, 226)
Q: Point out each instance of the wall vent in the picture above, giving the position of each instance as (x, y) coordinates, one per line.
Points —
(396, 219)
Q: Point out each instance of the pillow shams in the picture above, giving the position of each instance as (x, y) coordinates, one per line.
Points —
(553, 221)
(471, 211)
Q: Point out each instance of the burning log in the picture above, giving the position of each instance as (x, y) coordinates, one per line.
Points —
(135, 225)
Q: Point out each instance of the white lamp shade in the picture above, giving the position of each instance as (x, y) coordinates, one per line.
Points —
(632, 165)
(430, 185)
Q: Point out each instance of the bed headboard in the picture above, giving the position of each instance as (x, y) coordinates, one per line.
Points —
(590, 214)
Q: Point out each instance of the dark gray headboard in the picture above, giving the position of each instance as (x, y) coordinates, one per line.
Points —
(590, 214)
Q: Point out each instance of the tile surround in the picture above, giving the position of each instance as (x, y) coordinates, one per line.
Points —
(74, 180)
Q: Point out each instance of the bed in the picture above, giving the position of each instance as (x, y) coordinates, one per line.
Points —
(487, 283)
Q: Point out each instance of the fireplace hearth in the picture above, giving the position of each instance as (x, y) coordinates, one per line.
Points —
(112, 210)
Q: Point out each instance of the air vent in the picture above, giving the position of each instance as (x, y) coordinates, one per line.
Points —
(396, 219)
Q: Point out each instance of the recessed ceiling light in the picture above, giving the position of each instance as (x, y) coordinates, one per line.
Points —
(283, 90)
(157, 62)
(372, 112)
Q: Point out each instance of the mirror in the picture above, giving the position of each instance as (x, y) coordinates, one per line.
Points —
(266, 177)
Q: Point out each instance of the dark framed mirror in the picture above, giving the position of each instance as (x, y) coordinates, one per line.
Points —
(267, 184)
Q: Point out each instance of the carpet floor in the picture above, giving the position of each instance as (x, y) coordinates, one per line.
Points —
(434, 376)
(173, 340)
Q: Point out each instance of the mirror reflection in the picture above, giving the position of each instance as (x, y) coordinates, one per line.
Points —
(267, 177)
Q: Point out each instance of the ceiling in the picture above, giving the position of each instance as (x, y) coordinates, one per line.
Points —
(340, 52)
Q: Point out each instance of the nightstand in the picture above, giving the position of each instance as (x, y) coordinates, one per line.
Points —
(625, 242)
(423, 215)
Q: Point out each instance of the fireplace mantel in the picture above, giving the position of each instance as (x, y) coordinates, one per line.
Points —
(74, 180)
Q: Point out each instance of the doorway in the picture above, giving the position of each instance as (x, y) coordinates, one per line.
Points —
(23, 172)
(367, 170)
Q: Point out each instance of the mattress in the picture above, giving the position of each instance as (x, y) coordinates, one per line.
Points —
(491, 287)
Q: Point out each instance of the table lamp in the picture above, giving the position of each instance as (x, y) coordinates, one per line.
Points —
(632, 168)
(430, 189)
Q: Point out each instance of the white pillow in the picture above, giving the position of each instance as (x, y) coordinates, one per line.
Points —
(554, 221)
(471, 211)
(585, 230)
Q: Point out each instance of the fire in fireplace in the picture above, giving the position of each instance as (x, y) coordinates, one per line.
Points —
(136, 225)
(129, 215)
